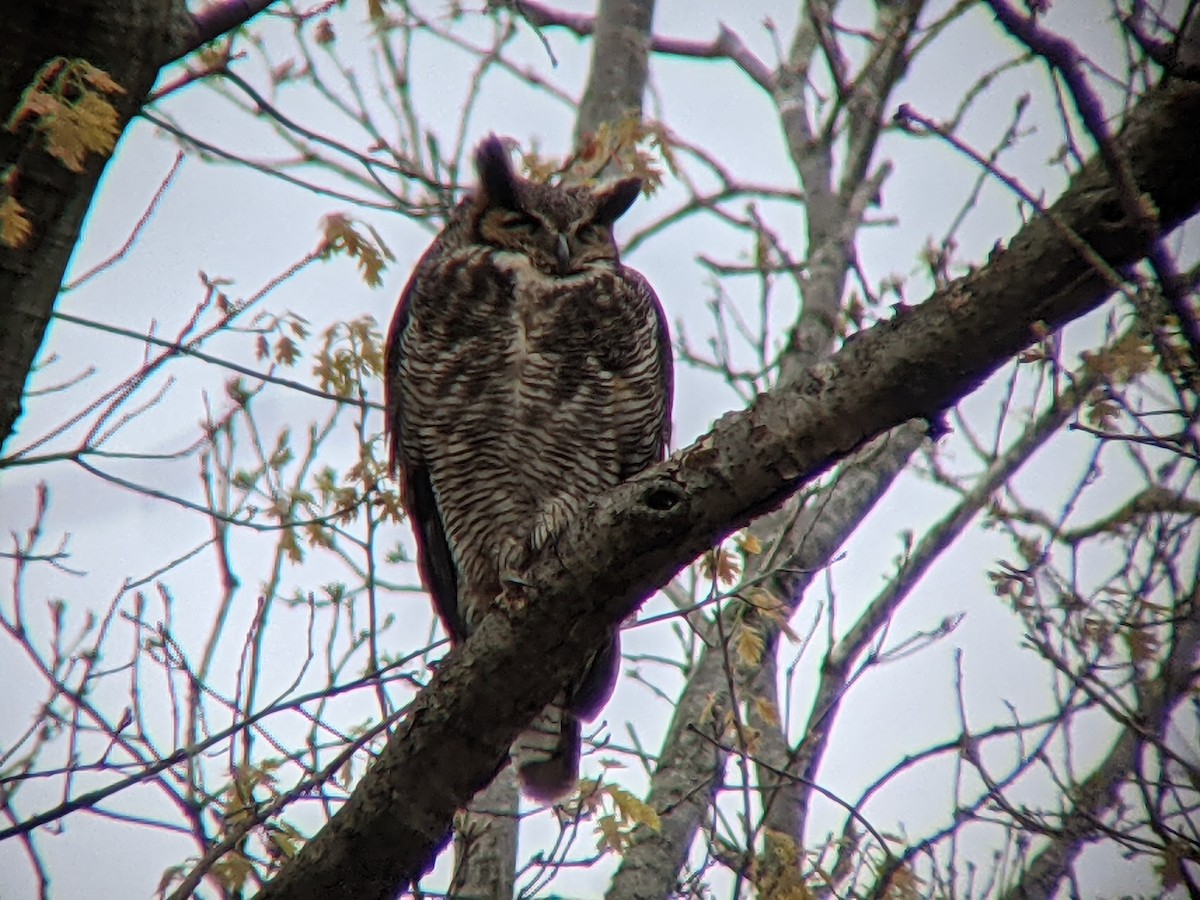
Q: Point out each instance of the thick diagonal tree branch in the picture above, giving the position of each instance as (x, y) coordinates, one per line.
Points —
(638, 535)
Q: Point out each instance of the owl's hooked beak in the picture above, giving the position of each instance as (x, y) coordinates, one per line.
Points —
(564, 255)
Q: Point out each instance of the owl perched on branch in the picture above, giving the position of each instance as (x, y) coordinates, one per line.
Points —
(527, 372)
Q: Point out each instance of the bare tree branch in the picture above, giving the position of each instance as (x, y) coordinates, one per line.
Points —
(726, 45)
(801, 541)
(1102, 789)
(1064, 58)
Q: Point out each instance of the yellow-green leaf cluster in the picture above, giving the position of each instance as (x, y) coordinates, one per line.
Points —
(721, 564)
(290, 545)
(67, 104)
(289, 331)
(15, 227)
(285, 840)
(772, 610)
(620, 813)
(232, 870)
(777, 873)
(540, 168)
(339, 235)
(748, 544)
(335, 493)
(767, 710)
(1124, 361)
(318, 535)
(1101, 410)
(632, 145)
(748, 644)
(352, 354)
(904, 885)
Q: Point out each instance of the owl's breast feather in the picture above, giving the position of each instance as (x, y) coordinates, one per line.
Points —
(540, 300)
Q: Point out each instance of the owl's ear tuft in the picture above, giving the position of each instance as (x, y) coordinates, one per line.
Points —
(496, 176)
(613, 199)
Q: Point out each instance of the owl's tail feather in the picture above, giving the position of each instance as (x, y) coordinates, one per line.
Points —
(547, 754)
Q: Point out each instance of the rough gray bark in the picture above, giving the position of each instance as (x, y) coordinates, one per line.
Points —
(780, 813)
(620, 62)
(130, 41)
(485, 841)
(459, 728)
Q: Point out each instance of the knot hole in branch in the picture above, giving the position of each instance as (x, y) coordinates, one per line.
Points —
(1112, 212)
(663, 496)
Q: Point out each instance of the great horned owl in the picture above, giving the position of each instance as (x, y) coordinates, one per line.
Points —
(527, 371)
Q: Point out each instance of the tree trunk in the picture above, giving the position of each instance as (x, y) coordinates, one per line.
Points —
(485, 841)
(127, 40)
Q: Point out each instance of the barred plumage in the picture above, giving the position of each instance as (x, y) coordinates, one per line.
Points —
(527, 371)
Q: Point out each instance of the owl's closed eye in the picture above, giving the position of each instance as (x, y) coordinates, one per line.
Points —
(562, 229)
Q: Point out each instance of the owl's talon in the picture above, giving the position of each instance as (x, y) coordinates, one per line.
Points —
(512, 594)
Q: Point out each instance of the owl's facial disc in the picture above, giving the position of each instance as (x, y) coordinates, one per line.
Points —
(563, 230)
